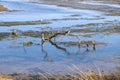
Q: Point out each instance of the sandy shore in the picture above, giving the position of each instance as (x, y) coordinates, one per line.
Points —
(2, 8)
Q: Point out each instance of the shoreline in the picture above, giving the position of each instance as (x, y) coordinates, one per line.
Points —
(90, 75)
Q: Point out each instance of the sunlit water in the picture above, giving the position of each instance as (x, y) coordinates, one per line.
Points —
(15, 57)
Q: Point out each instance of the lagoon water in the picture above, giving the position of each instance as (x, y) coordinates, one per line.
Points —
(57, 56)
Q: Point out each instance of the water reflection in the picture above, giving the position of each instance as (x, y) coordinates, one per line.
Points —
(47, 37)
(46, 56)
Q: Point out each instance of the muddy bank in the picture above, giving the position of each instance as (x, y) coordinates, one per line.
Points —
(78, 4)
(2, 8)
(24, 23)
(110, 1)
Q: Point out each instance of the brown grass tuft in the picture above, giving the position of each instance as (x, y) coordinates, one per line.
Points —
(85, 76)
(102, 76)
(2, 8)
(5, 77)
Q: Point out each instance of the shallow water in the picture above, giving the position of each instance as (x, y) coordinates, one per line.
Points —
(62, 53)
(100, 3)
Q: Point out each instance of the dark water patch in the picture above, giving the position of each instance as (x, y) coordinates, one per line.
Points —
(65, 19)
(4, 35)
(75, 15)
(76, 18)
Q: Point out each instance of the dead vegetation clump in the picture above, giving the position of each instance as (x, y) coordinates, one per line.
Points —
(100, 76)
(82, 76)
(5, 77)
(2, 8)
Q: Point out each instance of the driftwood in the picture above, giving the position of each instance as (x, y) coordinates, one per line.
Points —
(48, 39)
(79, 44)
(64, 33)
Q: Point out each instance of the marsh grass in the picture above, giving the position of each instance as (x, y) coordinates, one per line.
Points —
(75, 75)
(5, 77)
(90, 75)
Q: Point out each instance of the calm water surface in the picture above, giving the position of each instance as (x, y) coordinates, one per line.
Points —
(58, 55)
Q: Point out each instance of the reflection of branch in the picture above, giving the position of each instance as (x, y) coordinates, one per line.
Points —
(87, 48)
(59, 47)
(53, 43)
(24, 48)
(94, 48)
(46, 54)
(79, 44)
(78, 51)
(68, 44)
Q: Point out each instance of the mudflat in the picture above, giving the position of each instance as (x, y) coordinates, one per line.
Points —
(106, 6)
